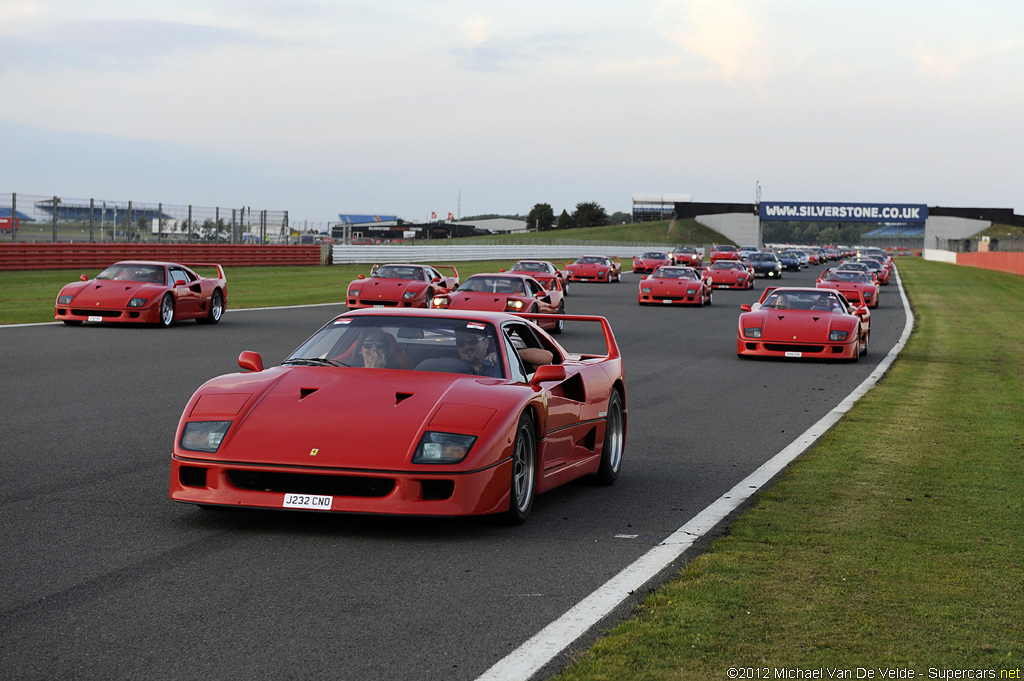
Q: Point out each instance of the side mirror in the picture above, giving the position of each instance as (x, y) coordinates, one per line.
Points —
(251, 361)
(84, 278)
(361, 277)
(548, 372)
(745, 307)
(179, 282)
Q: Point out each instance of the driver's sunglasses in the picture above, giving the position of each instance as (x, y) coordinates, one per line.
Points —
(462, 342)
(379, 344)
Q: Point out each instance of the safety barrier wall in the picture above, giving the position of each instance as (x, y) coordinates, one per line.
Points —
(439, 255)
(57, 256)
(1004, 262)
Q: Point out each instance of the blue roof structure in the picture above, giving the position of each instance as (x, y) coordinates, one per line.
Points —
(904, 230)
(362, 219)
(5, 212)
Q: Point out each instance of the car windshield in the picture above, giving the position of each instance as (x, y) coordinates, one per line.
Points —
(153, 274)
(591, 260)
(761, 257)
(398, 272)
(652, 255)
(727, 265)
(731, 249)
(526, 266)
(823, 301)
(674, 273)
(492, 284)
(685, 249)
(853, 277)
(404, 343)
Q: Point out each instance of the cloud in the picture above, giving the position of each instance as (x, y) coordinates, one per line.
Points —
(945, 63)
(723, 33)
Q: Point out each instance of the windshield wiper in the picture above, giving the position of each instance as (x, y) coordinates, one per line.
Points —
(314, 362)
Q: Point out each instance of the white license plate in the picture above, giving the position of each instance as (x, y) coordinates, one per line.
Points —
(95, 318)
(311, 501)
(722, 286)
(380, 305)
(794, 354)
(667, 302)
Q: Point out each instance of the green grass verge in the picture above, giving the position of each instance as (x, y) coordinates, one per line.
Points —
(895, 542)
(29, 295)
(659, 232)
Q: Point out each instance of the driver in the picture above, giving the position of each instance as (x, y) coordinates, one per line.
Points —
(474, 349)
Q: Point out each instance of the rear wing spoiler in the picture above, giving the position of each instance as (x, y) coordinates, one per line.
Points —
(455, 272)
(220, 270)
(609, 336)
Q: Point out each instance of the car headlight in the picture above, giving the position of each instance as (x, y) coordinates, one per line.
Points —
(435, 447)
(691, 291)
(409, 295)
(64, 300)
(353, 293)
(838, 335)
(645, 289)
(752, 332)
(511, 304)
(137, 302)
(868, 294)
(439, 302)
(203, 436)
(741, 277)
(601, 273)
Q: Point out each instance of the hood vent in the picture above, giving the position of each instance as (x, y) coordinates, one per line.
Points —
(401, 397)
(306, 392)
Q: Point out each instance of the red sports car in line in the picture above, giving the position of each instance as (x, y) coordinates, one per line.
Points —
(725, 252)
(508, 292)
(650, 261)
(675, 285)
(803, 322)
(481, 412)
(849, 282)
(595, 268)
(400, 286)
(686, 255)
(145, 292)
(730, 274)
(544, 272)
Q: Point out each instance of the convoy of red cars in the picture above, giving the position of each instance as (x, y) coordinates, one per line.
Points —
(494, 326)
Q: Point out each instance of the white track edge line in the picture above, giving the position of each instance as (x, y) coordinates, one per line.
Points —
(522, 663)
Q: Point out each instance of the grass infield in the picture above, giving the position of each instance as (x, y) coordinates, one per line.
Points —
(894, 543)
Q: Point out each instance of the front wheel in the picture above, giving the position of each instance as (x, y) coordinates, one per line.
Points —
(167, 310)
(614, 442)
(524, 473)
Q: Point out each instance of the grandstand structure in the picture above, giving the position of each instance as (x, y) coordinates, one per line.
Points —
(65, 210)
(651, 207)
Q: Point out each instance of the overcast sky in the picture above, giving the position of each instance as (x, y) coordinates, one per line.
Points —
(408, 107)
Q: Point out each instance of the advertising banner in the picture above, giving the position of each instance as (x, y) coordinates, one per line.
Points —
(843, 212)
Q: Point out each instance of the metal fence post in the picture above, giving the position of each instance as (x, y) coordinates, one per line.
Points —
(54, 219)
(92, 206)
(14, 214)
(129, 226)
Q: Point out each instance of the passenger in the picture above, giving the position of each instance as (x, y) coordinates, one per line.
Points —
(782, 302)
(376, 352)
(474, 349)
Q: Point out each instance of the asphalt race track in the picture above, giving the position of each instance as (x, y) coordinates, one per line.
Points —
(105, 578)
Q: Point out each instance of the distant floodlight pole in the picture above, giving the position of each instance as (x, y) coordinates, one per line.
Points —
(757, 209)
